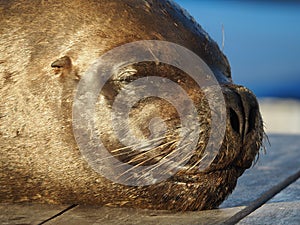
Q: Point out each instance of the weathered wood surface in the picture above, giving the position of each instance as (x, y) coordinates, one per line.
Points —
(282, 160)
(97, 216)
(290, 194)
(23, 214)
(284, 213)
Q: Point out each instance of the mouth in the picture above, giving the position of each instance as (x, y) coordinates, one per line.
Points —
(195, 191)
(195, 176)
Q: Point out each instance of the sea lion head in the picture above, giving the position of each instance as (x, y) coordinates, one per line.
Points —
(44, 161)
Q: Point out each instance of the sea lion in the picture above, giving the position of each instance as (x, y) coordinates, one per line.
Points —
(46, 46)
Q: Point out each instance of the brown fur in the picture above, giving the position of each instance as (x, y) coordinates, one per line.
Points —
(40, 160)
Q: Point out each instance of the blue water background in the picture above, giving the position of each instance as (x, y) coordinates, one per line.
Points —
(262, 41)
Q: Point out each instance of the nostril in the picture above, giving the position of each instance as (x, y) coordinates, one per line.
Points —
(251, 119)
(234, 121)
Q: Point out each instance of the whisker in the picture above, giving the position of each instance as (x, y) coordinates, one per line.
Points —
(164, 158)
(137, 165)
(136, 145)
(172, 143)
(160, 146)
(132, 151)
(197, 163)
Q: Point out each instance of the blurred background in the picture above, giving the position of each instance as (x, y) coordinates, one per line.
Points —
(262, 43)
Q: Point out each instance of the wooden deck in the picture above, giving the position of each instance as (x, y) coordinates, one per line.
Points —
(276, 171)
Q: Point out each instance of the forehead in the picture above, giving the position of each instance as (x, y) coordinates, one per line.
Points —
(85, 30)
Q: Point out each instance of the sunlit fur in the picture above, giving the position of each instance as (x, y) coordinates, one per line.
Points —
(40, 160)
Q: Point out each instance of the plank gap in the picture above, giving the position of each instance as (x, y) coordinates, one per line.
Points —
(59, 214)
(266, 196)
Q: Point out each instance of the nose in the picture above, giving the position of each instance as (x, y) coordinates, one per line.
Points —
(242, 111)
(244, 125)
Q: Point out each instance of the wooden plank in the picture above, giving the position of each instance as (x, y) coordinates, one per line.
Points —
(263, 199)
(284, 213)
(281, 160)
(290, 194)
(32, 214)
(105, 215)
